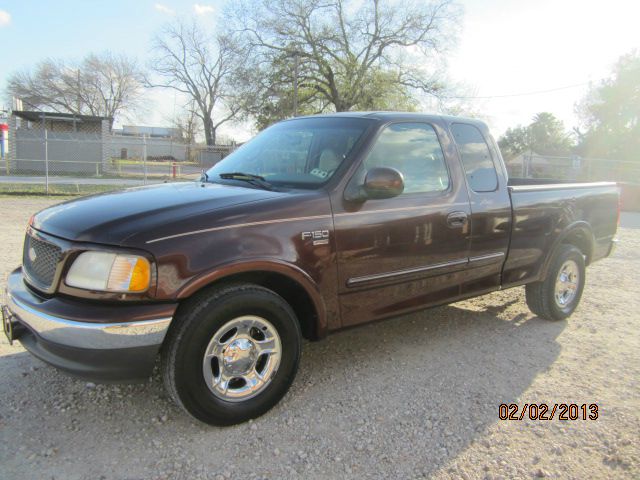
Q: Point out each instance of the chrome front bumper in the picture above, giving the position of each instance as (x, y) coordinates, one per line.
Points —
(88, 339)
(89, 335)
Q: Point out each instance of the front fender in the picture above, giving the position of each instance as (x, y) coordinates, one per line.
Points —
(258, 265)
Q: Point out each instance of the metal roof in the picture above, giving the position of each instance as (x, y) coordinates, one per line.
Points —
(399, 116)
(35, 116)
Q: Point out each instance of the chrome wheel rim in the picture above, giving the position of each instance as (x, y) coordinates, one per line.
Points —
(567, 283)
(241, 358)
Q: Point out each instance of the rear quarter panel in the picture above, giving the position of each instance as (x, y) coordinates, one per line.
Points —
(544, 214)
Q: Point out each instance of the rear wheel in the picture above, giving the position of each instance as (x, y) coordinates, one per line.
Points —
(558, 295)
(232, 353)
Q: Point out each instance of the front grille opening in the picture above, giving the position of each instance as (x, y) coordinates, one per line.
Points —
(40, 260)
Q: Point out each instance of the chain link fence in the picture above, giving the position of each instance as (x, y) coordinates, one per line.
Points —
(573, 168)
(577, 169)
(91, 159)
(44, 161)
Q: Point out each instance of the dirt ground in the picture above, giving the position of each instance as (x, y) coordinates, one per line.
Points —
(412, 397)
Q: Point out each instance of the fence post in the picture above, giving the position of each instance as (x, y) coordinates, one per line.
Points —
(46, 160)
(4, 138)
(144, 156)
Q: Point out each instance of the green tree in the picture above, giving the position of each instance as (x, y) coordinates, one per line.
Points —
(514, 141)
(270, 95)
(349, 54)
(277, 100)
(611, 112)
(546, 135)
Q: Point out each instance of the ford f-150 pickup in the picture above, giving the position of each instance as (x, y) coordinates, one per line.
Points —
(318, 224)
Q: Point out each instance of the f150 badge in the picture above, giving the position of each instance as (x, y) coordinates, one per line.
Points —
(320, 237)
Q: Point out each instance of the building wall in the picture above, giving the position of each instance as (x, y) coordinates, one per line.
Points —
(64, 152)
(131, 147)
(89, 148)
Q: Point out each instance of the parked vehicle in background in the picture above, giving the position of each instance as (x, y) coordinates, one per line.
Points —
(318, 224)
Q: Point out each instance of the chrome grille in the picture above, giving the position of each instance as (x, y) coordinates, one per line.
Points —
(40, 260)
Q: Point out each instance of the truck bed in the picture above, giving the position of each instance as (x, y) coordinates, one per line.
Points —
(552, 183)
(544, 211)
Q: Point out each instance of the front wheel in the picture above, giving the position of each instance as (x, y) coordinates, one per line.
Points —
(232, 354)
(558, 295)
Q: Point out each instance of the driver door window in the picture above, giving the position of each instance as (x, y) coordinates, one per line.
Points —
(415, 151)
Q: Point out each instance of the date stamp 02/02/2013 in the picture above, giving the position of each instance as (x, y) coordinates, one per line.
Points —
(544, 411)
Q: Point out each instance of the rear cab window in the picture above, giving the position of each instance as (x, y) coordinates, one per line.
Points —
(478, 163)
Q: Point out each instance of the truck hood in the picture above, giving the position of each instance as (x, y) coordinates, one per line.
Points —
(111, 218)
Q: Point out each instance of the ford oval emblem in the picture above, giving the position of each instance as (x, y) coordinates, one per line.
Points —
(32, 254)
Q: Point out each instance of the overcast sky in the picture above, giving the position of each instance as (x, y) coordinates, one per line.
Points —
(507, 48)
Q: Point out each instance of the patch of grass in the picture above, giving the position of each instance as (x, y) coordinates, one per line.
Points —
(164, 163)
(108, 175)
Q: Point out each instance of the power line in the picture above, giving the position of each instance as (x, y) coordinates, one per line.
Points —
(522, 94)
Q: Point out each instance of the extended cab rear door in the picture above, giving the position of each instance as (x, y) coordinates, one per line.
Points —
(404, 253)
(490, 220)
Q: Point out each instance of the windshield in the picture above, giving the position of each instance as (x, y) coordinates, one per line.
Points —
(302, 153)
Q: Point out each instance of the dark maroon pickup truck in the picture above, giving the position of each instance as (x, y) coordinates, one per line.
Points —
(318, 224)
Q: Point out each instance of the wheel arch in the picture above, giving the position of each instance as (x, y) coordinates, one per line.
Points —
(294, 285)
(578, 234)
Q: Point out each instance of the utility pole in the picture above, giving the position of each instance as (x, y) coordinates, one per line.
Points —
(295, 83)
(78, 102)
(46, 154)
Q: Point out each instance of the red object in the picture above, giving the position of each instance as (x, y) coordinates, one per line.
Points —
(629, 197)
(173, 165)
(4, 127)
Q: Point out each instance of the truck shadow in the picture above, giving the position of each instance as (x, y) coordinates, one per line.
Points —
(413, 392)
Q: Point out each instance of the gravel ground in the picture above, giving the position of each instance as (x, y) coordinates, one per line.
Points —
(413, 397)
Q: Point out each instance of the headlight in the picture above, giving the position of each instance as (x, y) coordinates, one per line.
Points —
(109, 272)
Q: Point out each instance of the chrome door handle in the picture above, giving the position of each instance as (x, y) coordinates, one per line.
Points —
(457, 219)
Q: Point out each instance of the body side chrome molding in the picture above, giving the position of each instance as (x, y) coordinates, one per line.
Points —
(410, 271)
(489, 256)
(355, 281)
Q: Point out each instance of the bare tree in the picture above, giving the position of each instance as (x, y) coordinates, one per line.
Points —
(188, 126)
(187, 123)
(345, 48)
(202, 68)
(101, 84)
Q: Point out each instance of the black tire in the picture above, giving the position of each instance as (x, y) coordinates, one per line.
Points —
(541, 295)
(192, 329)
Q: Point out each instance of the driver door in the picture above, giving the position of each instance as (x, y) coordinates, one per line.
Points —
(403, 253)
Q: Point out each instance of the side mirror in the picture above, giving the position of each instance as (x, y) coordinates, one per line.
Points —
(379, 183)
(383, 182)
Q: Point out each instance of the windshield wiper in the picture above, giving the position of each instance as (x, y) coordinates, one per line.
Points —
(247, 177)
